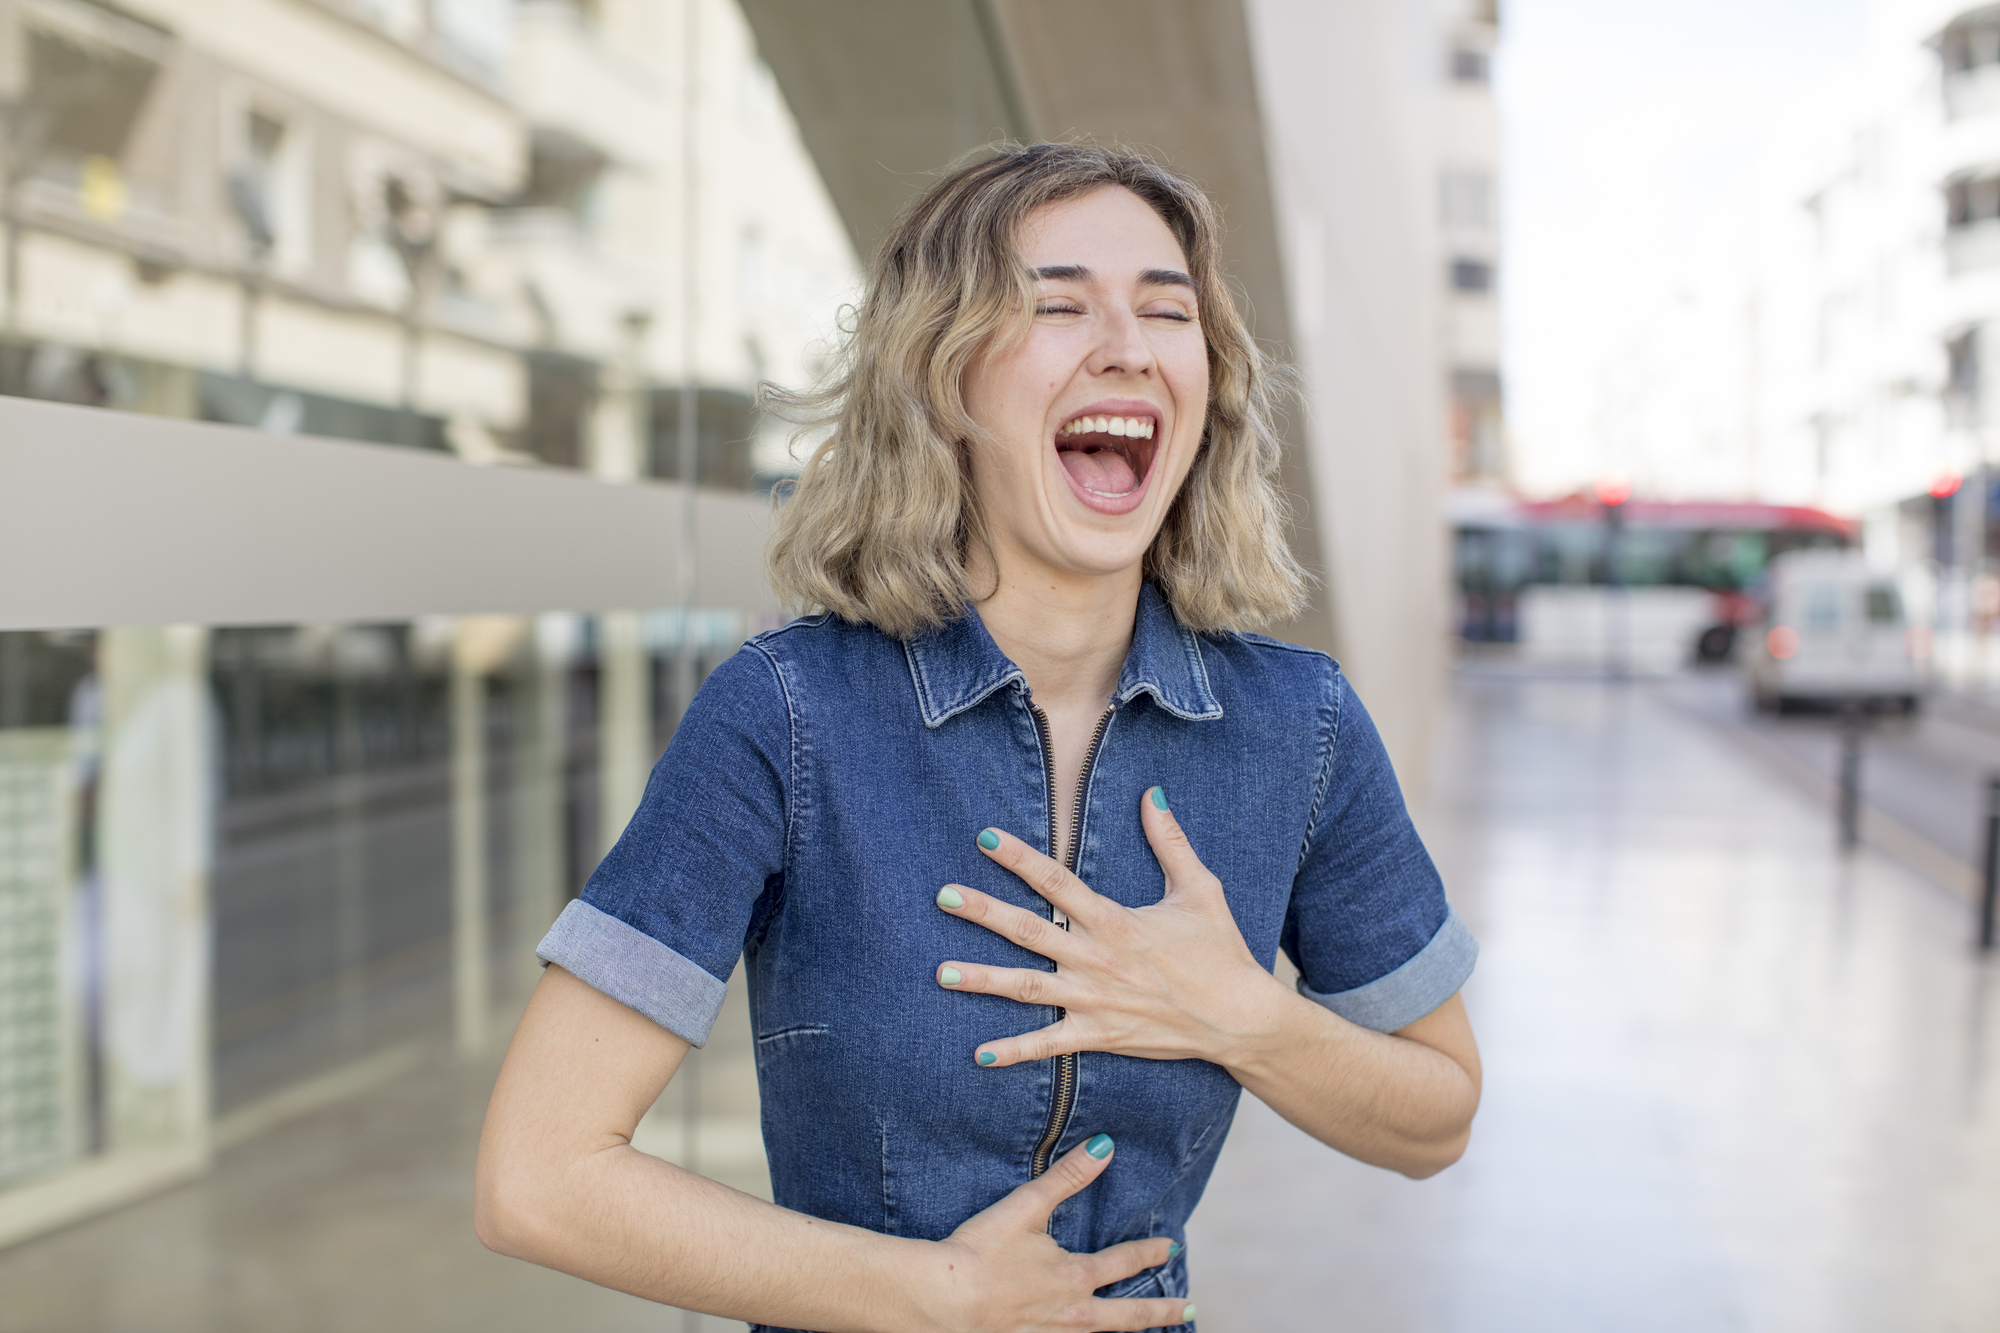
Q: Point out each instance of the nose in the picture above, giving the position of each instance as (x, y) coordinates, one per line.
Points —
(1122, 347)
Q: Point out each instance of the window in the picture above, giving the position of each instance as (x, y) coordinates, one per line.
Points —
(1823, 606)
(1882, 605)
(1970, 43)
(1469, 66)
(1467, 199)
(1970, 200)
(1471, 275)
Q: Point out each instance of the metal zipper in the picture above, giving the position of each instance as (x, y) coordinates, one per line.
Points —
(1064, 1100)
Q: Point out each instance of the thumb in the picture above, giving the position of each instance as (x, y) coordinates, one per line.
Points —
(1183, 868)
(1066, 1176)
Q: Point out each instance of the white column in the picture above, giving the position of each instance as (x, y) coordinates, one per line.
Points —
(537, 806)
(155, 839)
(471, 986)
(624, 721)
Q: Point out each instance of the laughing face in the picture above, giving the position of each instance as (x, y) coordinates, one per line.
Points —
(1096, 415)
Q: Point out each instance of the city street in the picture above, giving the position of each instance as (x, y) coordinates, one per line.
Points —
(1734, 1081)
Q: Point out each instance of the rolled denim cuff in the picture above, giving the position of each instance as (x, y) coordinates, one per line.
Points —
(1426, 981)
(634, 969)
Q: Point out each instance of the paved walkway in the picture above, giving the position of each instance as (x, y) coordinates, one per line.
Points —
(1734, 1082)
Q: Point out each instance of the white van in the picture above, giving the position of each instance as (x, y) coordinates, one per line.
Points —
(1833, 632)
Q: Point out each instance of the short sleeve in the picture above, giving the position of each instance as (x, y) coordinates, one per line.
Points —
(1368, 925)
(664, 917)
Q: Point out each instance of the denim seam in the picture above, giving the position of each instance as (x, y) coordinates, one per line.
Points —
(1330, 727)
(793, 798)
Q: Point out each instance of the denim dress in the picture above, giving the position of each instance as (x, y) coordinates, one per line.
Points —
(827, 780)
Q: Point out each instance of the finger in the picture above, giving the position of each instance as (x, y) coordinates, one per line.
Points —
(1043, 874)
(1169, 840)
(1067, 1175)
(1155, 1312)
(1058, 1038)
(1119, 1262)
(1030, 930)
(1029, 985)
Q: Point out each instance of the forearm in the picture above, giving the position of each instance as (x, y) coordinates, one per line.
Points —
(1392, 1100)
(622, 1219)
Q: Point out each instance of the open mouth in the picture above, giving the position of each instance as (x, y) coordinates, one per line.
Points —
(1108, 458)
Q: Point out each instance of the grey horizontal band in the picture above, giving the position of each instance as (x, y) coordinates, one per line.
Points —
(1412, 990)
(634, 969)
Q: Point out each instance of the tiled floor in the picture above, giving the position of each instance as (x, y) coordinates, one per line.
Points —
(1733, 1082)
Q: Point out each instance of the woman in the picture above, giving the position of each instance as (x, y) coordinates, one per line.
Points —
(1008, 835)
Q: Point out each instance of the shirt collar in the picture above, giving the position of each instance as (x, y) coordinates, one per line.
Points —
(958, 665)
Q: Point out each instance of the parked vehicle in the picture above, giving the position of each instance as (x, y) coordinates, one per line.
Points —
(1834, 634)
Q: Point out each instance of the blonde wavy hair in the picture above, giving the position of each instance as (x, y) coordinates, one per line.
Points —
(877, 528)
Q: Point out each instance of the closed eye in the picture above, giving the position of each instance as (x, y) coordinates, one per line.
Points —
(1057, 308)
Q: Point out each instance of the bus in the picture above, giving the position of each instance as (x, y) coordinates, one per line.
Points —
(1669, 581)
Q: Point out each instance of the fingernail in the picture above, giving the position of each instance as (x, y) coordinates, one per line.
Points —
(950, 897)
(990, 840)
(1187, 1315)
(1099, 1146)
(1174, 1250)
(1159, 798)
(949, 976)
(987, 1057)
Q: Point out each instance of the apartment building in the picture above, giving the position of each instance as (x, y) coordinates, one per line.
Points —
(1469, 215)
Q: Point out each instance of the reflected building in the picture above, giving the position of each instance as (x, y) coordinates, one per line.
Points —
(243, 860)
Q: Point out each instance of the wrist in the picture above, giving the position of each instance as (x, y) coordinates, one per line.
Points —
(1258, 1029)
(910, 1285)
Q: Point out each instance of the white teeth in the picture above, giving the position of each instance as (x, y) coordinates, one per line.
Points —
(1138, 428)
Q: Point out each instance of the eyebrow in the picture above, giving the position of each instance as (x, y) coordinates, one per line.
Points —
(1152, 277)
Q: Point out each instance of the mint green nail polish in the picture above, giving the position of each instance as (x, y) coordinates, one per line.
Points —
(1174, 1250)
(949, 976)
(1187, 1315)
(1159, 798)
(1099, 1146)
(987, 1058)
(990, 840)
(950, 897)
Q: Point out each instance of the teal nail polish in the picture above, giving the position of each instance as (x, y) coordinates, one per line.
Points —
(1099, 1146)
(990, 840)
(1159, 798)
(949, 976)
(1187, 1315)
(987, 1057)
(950, 897)
(1174, 1250)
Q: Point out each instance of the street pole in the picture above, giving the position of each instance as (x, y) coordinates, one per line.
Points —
(1851, 723)
(1989, 900)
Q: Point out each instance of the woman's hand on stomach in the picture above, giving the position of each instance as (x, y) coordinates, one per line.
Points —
(1172, 981)
(1001, 1272)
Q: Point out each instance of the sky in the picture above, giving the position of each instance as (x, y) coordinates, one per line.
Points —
(1631, 129)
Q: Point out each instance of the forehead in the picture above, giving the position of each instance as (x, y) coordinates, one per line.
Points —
(1110, 231)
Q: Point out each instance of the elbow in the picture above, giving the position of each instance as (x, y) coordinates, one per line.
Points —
(1435, 1157)
(504, 1213)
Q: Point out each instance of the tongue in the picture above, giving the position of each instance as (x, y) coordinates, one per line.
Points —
(1103, 470)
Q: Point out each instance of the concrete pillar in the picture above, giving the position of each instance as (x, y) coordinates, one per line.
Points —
(155, 840)
(536, 804)
(624, 721)
(472, 992)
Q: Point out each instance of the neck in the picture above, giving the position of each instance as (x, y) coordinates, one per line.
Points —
(1069, 634)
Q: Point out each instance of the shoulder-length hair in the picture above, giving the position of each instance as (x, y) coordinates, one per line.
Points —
(877, 528)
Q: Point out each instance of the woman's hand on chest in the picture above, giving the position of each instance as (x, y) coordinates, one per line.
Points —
(1173, 981)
